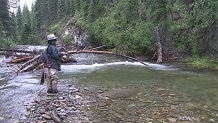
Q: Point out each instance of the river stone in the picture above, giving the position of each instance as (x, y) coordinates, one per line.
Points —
(41, 111)
(173, 107)
(38, 100)
(62, 114)
(119, 93)
(55, 117)
(28, 108)
(2, 118)
(42, 121)
(171, 120)
(131, 105)
(161, 89)
(46, 116)
(15, 121)
(27, 114)
(102, 103)
(26, 103)
(61, 98)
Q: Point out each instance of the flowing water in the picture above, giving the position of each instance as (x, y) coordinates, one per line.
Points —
(146, 93)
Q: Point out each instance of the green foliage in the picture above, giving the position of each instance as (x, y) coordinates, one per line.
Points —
(7, 25)
(7, 43)
(26, 15)
(120, 28)
(61, 11)
(52, 11)
(71, 7)
(26, 35)
(204, 21)
(81, 23)
(19, 20)
(202, 62)
(55, 27)
(130, 26)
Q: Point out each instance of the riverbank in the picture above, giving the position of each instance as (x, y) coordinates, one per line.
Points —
(65, 107)
(95, 104)
(204, 62)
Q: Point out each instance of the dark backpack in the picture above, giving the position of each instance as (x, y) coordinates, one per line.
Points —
(46, 59)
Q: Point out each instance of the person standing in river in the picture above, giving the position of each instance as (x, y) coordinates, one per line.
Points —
(55, 57)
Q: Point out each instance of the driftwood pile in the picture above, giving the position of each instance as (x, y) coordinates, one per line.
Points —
(27, 60)
(31, 59)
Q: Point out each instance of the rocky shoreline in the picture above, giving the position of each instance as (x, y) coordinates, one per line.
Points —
(96, 105)
(64, 107)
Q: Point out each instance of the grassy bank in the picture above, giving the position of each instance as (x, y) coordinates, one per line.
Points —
(203, 62)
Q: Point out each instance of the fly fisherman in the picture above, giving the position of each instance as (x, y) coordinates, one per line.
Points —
(55, 57)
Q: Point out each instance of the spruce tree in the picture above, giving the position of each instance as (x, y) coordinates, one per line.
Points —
(2, 31)
(26, 35)
(5, 17)
(69, 9)
(61, 9)
(19, 20)
(52, 10)
(33, 20)
(26, 15)
(41, 13)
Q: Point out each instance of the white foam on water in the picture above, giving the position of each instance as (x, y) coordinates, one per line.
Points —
(93, 67)
(160, 66)
(81, 68)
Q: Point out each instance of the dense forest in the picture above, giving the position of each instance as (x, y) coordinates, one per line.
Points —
(177, 28)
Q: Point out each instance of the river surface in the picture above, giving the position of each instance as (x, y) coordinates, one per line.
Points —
(155, 91)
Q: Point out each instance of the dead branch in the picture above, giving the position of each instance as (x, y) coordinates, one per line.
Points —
(104, 52)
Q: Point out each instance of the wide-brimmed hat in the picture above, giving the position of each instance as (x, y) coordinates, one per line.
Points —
(51, 37)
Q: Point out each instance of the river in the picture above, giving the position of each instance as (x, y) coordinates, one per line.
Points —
(139, 93)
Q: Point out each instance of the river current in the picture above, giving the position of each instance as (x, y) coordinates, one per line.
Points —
(186, 93)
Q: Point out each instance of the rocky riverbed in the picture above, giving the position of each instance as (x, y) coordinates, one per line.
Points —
(96, 104)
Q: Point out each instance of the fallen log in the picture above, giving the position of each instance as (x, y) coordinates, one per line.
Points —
(33, 63)
(22, 51)
(29, 64)
(104, 52)
(19, 60)
(38, 65)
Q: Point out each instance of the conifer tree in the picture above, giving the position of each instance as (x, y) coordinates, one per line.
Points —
(70, 7)
(33, 19)
(52, 10)
(7, 25)
(5, 17)
(84, 8)
(2, 31)
(41, 13)
(19, 20)
(26, 34)
(26, 15)
(61, 9)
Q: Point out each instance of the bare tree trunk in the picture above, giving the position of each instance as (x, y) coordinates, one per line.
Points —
(159, 47)
(159, 52)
